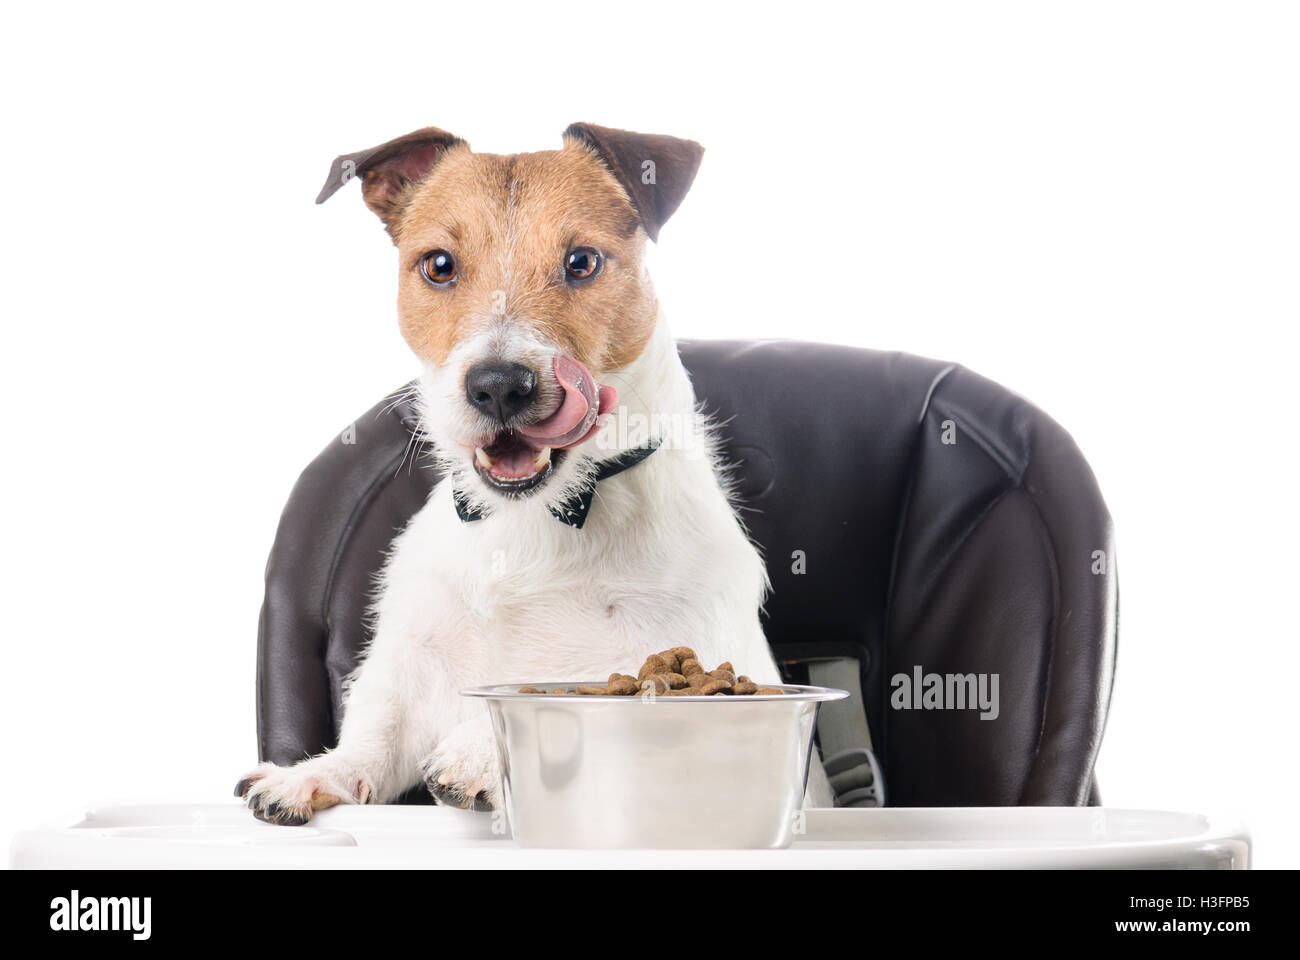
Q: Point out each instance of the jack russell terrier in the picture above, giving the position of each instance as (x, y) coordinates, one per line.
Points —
(582, 521)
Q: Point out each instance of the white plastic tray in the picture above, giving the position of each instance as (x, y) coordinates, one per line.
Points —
(226, 835)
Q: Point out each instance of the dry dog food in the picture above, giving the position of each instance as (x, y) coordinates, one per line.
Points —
(673, 673)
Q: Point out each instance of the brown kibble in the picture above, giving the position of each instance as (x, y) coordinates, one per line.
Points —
(659, 683)
(687, 678)
(670, 660)
(683, 654)
(323, 801)
(664, 682)
(654, 664)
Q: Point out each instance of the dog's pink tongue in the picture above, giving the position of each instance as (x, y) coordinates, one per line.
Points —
(575, 420)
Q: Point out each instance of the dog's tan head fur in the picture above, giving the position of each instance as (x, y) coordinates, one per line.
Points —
(509, 226)
(510, 221)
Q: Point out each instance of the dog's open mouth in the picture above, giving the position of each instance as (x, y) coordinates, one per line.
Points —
(512, 464)
(515, 461)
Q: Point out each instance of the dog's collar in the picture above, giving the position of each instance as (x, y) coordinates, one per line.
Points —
(573, 510)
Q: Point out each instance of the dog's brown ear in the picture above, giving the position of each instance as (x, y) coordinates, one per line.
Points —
(656, 171)
(386, 170)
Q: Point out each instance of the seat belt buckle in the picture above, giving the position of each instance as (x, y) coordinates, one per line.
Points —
(855, 778)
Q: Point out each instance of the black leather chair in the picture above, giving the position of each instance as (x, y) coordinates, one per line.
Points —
(943, 522)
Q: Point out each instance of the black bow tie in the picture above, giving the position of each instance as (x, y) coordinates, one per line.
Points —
(574, 510)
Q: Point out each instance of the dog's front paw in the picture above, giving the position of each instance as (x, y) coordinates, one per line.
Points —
(463, 771)
(288, 796)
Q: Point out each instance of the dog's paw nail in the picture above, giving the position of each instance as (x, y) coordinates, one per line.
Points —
(241, 788)
(280, 815)
(451, 793)
(445, 793)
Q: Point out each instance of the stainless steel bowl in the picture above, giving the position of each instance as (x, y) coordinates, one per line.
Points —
(688, 772)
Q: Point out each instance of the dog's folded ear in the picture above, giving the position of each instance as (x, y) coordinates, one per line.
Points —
(656, 171)
(386, 170)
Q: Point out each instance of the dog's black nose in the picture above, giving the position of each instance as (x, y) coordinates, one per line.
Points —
(500, 389)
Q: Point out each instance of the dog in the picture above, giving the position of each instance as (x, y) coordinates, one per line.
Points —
(583, 519)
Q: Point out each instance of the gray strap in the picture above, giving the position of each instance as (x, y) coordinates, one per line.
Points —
(841, 724)
(845, 737)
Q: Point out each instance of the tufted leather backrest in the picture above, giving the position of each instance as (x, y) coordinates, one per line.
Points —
(912, 514)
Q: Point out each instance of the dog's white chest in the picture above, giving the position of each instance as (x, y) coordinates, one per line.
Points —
(497, 601)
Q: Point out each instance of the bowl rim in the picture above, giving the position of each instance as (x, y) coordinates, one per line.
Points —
(792, 693)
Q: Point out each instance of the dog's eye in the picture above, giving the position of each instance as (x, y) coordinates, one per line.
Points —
(438, 267)
(583, 263)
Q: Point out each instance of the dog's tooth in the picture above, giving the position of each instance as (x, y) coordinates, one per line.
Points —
(484, 460)
(542, 459)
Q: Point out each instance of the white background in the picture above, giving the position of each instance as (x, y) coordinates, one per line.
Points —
(1095, 204)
